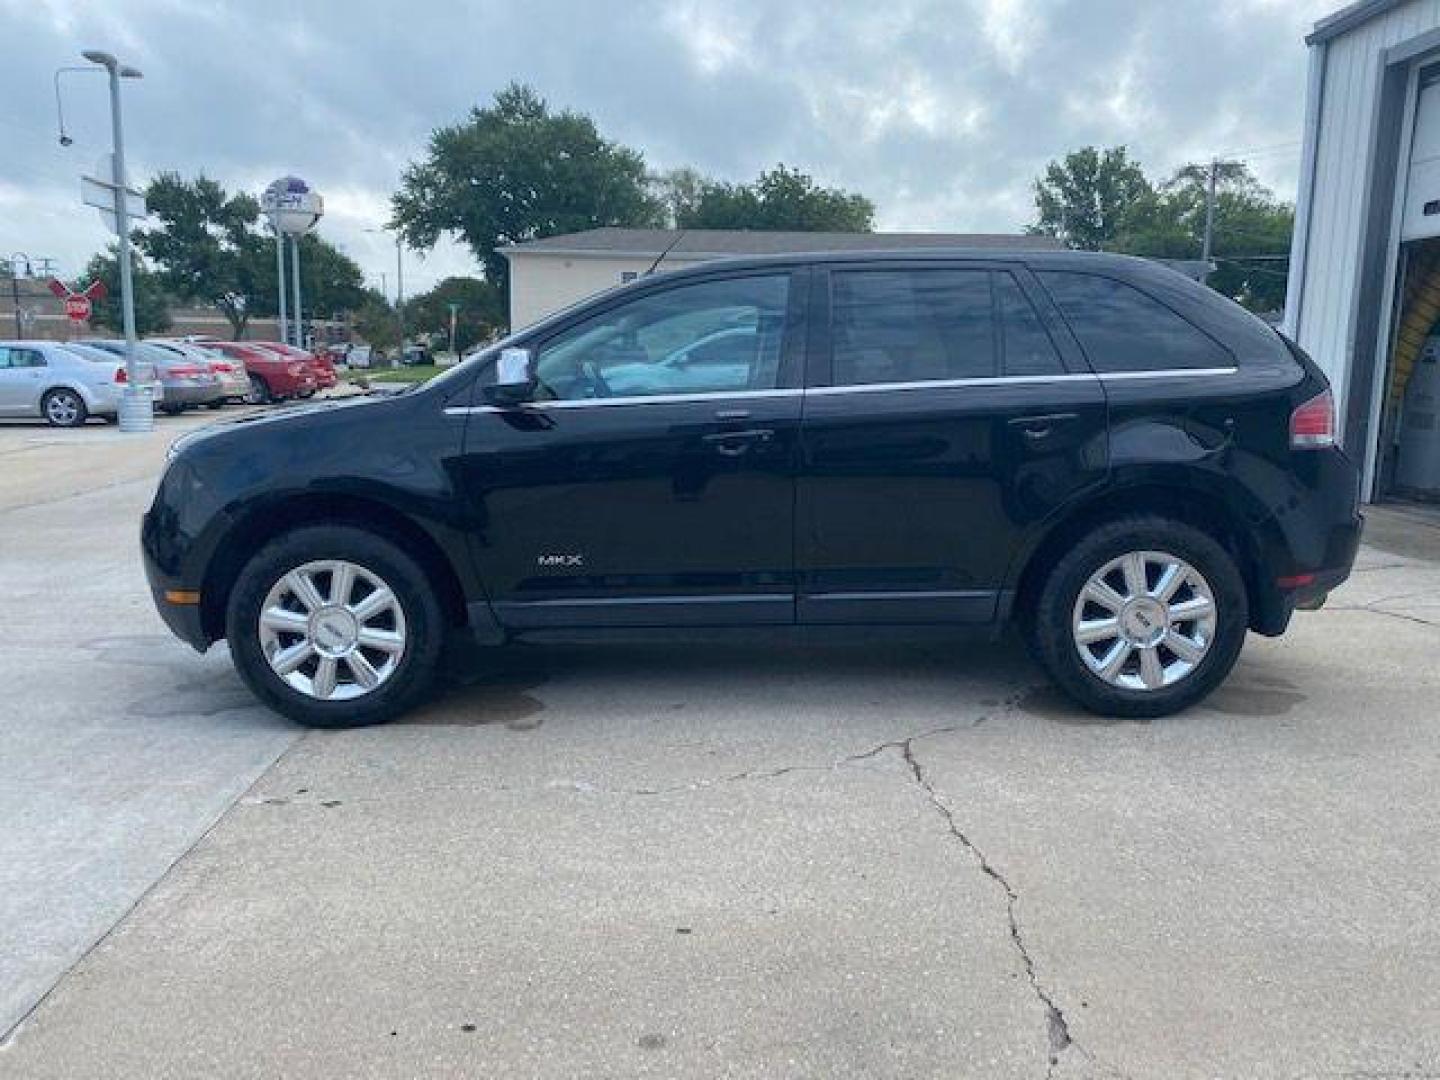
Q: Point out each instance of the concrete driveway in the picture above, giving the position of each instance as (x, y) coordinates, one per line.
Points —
(725, 858)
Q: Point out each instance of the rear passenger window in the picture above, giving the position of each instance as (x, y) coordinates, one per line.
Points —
(899, 326)
(1025, 346)
(1123, 329)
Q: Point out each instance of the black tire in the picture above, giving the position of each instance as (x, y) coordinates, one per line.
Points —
(259, 391)
(1054, 638)
(172, 410)
(63, 407)
(215, 404)
(424, 625)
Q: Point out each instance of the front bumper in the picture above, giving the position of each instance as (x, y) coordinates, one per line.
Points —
(183, 619)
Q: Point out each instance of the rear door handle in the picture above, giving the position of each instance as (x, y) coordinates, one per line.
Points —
(1040, 427)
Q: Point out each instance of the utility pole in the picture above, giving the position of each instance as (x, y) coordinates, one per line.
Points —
(14, 264)
(1210, 212)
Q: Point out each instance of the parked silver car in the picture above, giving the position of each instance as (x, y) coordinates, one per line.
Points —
(234, 379)
(187, 383)
(63, 383)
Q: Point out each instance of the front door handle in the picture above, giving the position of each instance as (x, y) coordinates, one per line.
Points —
(735, 443)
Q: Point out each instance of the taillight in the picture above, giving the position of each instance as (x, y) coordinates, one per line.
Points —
(1312, 425)
(221, 366)
(120, 376)
(187, 371)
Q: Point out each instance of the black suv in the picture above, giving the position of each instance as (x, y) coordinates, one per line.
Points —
(1128, 466)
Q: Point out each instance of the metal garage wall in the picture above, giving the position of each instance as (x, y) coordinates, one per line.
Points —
(1335, 218)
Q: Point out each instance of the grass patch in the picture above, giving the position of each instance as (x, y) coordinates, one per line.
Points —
(400, 374)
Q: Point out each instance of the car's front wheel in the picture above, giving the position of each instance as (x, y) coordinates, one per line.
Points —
(259, 392)
(1143, 617)
(334, 626)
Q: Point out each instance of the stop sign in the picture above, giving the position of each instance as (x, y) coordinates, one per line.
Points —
(77, 307)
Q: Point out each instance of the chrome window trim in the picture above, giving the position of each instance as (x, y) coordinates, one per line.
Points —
(860, 388)
(1168, 373)
(643, 399)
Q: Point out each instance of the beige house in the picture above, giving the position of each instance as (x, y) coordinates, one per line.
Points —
(550, 274)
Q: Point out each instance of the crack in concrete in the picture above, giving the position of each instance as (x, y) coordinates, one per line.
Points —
(1056, 1026)
(1369, 610)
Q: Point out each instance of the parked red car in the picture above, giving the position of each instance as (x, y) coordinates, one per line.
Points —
(273, 375)
(320, 362)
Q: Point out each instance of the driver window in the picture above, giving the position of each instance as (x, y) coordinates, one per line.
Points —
(714, 337)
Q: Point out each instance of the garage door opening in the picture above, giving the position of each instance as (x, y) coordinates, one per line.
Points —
(1410, 416)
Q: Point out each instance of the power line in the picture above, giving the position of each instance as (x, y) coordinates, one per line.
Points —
(1263, 151)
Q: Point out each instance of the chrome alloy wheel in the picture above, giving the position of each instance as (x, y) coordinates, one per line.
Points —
(62, 408)
(332, 630)
(1144, 621)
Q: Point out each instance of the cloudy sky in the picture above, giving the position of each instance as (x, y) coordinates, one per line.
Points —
(941, 111)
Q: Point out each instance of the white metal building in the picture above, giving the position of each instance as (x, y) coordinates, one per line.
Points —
(1365, 273)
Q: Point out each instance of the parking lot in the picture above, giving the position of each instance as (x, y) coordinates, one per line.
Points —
(729, 857)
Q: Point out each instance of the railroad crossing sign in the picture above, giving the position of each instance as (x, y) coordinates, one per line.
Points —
(78, 305)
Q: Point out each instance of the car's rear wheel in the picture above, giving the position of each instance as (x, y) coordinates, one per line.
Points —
(1143, 617)
(259, 392)
(63, 407)
(217, 404)
(334, 626)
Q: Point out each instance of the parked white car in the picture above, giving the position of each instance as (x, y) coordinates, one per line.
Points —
(64, 384)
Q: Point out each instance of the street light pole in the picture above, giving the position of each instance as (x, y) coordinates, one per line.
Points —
(400, 294)
(136, 413)
(399, 287)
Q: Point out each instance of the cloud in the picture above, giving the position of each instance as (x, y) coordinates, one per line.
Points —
(942, 111)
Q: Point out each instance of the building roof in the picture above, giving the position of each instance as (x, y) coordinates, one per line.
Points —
(1348, 18)
(719, 243)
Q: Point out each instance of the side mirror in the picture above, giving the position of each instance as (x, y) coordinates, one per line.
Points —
(514, 380)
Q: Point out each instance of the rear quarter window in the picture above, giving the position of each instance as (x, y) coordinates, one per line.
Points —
(1123, 329)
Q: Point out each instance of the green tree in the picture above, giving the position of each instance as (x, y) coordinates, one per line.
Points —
(478, 316)
(678, 192)
(375, 321)
(331, 283)
(1084, 198)
(152, 306)
(781, 199)
(516, 171)
(206, 248)
(1251, 243)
